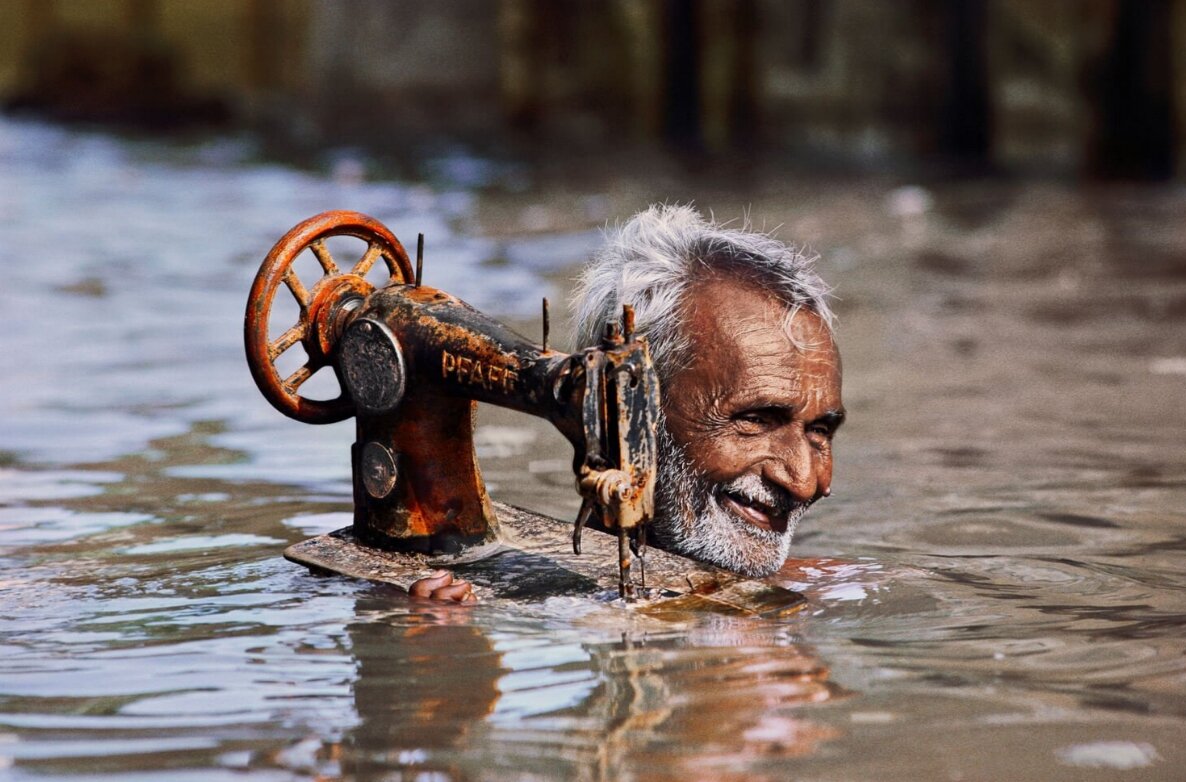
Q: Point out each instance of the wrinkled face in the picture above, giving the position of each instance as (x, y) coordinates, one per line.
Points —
(747, 445)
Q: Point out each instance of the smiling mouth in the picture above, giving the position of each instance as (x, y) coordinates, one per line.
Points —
(757, 513)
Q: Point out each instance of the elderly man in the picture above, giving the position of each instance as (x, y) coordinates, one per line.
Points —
(741, 335)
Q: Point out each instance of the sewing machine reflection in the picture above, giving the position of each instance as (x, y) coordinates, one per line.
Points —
(412, 362)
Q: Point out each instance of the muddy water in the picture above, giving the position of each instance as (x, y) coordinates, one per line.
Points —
(997, 590)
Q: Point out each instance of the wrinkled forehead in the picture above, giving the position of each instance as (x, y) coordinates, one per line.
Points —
(736, 311)
(746, 342)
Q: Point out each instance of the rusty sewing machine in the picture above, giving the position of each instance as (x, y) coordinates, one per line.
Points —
(412, 362)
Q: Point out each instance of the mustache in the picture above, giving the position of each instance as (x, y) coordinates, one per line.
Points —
(677, 472)
(757, 489)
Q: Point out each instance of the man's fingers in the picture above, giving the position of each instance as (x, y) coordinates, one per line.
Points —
(458, 591)
(426, 586)
(441, 586)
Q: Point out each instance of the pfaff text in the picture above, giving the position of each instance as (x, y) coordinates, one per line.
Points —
(469, 371)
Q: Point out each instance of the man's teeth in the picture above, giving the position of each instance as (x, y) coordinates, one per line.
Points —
(750, 502)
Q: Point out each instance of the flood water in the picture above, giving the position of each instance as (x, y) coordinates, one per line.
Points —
(997, 589)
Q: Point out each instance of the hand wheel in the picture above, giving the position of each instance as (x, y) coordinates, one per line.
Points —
(321, 307)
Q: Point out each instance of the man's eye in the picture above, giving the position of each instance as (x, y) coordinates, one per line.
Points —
(752, 421)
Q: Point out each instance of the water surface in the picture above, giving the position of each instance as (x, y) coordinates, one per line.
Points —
(996, 590)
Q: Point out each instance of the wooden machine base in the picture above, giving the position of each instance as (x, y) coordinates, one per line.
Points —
(534, 561)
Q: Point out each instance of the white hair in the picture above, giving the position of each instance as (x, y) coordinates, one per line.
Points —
(652, 260)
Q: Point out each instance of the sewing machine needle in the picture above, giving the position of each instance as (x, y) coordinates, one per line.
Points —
(625, 588)
(642, 556)
(639, 547)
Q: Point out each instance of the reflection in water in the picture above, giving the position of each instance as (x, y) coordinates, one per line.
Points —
(424, 682)
(436, 691)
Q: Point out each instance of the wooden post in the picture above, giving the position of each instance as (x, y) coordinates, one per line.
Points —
(264, 41)
(728, 78)
(1178, 80)
(642, 21)
(519, 62)
(142, 18)
(1132, 94)
(967, 116)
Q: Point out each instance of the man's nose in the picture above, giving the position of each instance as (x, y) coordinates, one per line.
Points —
(799, 469)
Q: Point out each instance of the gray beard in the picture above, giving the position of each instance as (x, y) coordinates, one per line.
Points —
(690, 520)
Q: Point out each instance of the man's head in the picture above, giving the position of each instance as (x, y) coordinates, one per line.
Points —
(740, 332)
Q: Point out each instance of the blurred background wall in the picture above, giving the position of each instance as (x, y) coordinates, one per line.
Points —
(1052, 86)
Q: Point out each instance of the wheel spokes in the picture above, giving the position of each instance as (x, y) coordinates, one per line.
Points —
(297, 379)
(323, 257)
(374, 250)
(297, 287)
(287, 340)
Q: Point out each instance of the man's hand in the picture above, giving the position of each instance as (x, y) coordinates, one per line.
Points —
(441, 586)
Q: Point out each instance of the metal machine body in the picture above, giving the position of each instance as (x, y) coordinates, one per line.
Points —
(414, 361)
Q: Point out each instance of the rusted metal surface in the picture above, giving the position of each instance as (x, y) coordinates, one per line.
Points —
(531, 560)
(620, 413)
(321, 307)
(413, 361)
